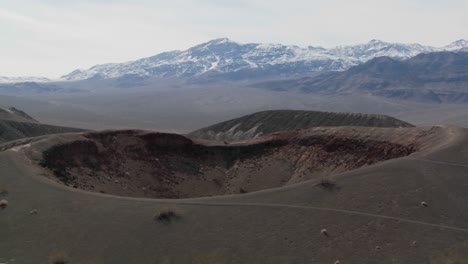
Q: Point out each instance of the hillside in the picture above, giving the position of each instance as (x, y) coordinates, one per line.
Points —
(395, 210)
(13, 114)
(12, 130)
(16, 124)
(432, 77)
(266, 122)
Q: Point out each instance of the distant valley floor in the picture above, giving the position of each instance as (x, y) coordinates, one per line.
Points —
(186, 109)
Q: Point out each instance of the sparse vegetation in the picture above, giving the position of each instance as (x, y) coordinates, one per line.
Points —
(166, 215)
(328, 185)
(3, 204)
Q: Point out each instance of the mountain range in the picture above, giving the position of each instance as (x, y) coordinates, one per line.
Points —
(428, 77)
(417, 83)
(228, 60)
(224, 59)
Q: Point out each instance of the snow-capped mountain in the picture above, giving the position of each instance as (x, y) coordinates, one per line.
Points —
(229, 59)
(4, 79)
(457, 45)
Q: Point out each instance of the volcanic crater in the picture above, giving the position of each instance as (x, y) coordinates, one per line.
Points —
(138, 163)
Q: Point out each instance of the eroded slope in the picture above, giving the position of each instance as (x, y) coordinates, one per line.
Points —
(159, 165)
(266, 122)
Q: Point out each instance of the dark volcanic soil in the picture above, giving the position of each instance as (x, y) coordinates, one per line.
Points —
(158, 165)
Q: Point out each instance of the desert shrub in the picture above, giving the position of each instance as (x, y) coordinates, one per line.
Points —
(166, 215)
(3, 204)
(328, 185)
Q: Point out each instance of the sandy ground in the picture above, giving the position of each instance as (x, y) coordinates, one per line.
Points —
(376, 216)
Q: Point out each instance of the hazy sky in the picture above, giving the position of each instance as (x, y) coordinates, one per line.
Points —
(53, 37)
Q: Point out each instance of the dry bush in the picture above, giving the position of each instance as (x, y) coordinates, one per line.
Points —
(3, 204)
(328, 185)
(167, 215)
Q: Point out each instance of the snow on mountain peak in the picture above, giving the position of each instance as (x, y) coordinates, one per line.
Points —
(225, 56)
(220, 41)
(376, 42)
(457, 45)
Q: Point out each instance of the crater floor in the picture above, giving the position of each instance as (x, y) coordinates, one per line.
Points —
(159, 165)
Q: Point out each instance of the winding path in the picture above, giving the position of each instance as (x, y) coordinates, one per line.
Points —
(441, 162)
(326, 209)
(306, 207)
(24, 142)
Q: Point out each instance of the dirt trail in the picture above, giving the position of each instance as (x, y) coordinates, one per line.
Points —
(441, 162)
(334, 210)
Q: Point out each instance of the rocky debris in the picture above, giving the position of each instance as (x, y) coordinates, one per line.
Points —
(324, 232)
(3, 204)
(161, 165)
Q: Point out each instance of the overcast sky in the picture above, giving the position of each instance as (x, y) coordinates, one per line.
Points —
(53, 37)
